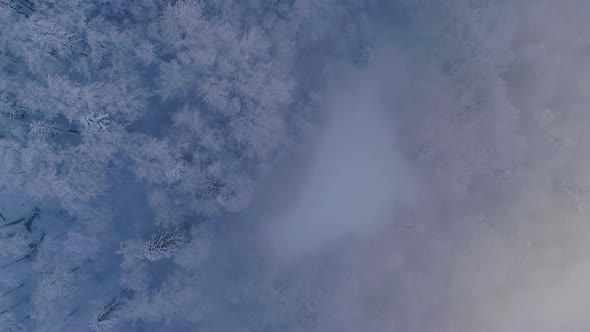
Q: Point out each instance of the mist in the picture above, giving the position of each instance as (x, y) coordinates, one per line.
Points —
(419, 215)
(354, 178)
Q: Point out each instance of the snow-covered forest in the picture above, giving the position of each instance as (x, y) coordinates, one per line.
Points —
(294, 165)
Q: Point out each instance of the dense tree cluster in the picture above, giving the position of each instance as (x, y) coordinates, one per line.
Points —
(82, 80)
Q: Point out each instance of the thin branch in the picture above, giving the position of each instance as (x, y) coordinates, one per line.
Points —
(79, 266)
(71, 313)
(26, 4)
(16, 261)
(13, 223)
(15, 305)
(17, 8)
(14, 289)
(10, 56)
(29, 222)
(34, 249)
(29, 2)
(70, 130)
(58, 236)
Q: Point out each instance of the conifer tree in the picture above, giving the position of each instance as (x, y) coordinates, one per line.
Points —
(163, 244)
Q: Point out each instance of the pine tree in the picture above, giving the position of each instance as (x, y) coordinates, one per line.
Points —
(108, 315)
(95, 121)
(10, 109)
(163, 244)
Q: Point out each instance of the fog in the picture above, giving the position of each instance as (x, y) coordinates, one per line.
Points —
(487, 230)
(355, 176)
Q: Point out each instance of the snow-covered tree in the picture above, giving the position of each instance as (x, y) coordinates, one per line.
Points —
(51, 37)
(10, 108)
(9, 323)
(52, 299)
(163, 244)
(178, 298)
(95, 121)
(154, 161)
(14, 240)
(108, 315)
(134, 274)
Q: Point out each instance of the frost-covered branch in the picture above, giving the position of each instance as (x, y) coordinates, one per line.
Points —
(108, 315)
(40, 128)
(95, 121)
(163, 244)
